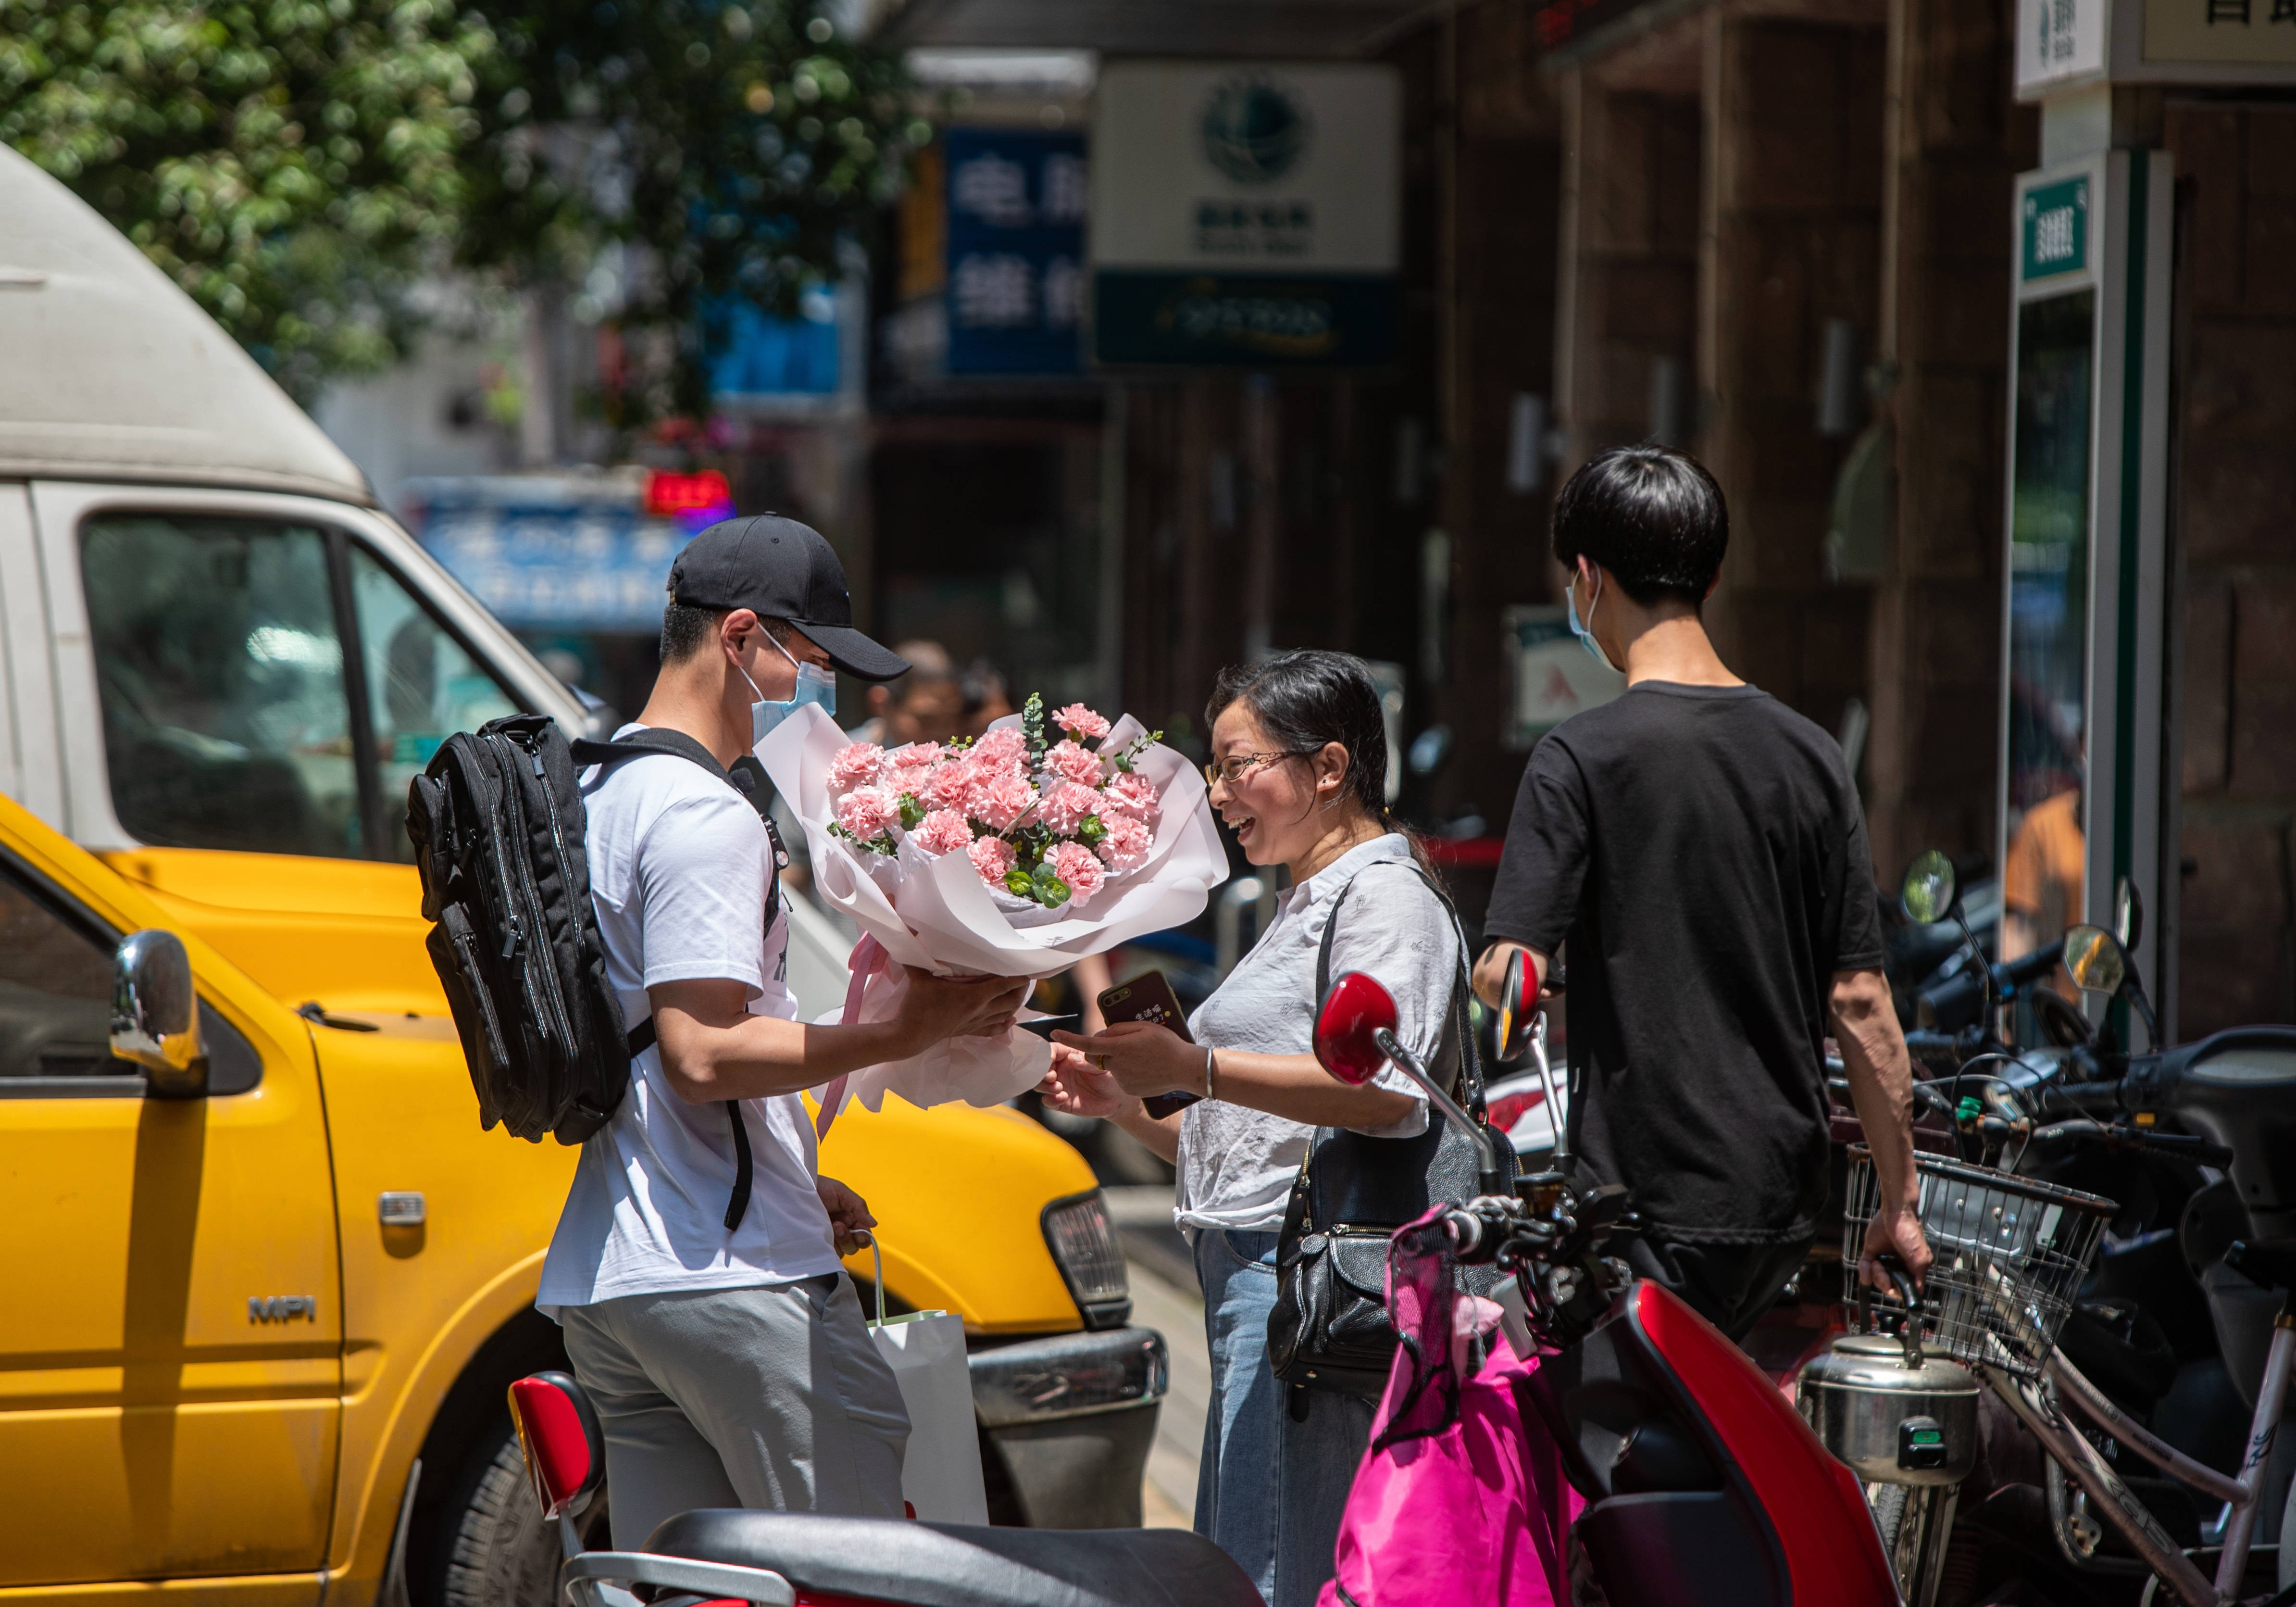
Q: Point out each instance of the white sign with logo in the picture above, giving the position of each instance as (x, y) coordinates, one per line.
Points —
(1247, 166)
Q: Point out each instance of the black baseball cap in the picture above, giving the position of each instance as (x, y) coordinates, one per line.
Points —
(781, 570)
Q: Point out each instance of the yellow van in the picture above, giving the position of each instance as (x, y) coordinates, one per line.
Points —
(264, 1299)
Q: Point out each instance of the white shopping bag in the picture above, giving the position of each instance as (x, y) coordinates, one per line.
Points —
(940, 1475)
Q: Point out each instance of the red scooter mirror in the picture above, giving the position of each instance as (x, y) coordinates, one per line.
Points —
(1518, 1008)
(1355, 1010)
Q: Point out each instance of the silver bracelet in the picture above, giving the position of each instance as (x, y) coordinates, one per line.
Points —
(1210, 1089)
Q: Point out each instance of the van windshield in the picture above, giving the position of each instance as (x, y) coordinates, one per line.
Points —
(232, 716)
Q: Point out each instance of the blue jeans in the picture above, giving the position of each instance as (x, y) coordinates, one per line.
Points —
(1271, 1491)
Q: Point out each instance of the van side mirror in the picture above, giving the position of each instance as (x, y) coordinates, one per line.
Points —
(1354, 1012)
(2095, 960)
(1930, 890)
(155, 1014)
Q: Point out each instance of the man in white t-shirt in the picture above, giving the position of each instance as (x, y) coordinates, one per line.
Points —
(716, 1332)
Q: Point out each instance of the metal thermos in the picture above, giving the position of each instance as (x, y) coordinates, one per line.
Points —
(1892, 1422)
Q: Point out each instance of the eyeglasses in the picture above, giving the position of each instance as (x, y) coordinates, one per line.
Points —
(1235, 766)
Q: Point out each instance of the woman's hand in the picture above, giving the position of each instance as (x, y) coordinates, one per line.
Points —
(1074, 1087)
(848, 1215)
(934, 1008)
(1142, 1058)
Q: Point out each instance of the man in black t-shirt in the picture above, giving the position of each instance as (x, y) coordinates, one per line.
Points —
(1699, 849)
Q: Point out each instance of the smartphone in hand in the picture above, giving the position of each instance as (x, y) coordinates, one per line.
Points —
(1149, 997)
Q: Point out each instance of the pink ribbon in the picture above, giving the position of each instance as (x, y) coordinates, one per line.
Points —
(869, 958)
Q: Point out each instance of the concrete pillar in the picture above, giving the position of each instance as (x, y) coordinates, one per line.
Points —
(1791, 240)
(1955, 143)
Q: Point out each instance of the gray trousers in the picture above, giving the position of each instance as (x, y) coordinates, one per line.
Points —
(771, 1397)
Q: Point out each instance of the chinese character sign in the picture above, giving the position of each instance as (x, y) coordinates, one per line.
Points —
(1017, 201)
(2059, 39)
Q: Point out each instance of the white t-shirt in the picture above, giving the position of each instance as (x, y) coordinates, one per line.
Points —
(1236, 1164)
(679, 868)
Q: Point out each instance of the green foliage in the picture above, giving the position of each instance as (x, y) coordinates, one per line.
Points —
(738, 143)
(296, 164)
(287, 164)
(1032, 726)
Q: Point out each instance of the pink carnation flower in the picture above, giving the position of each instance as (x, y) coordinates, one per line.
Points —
(856, 765)
(943, 832)
(1131, 792)
(1066, 806)
(1081, 722)
(1128, 841)
(999, 797)
(913, 754)
(1003, 746)
(992, 856)
(1080, 867)
(868, 812)
(1072, 763)
(948, 785)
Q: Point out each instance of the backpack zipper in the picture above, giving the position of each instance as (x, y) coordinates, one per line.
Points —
(558, 841)
(549, 966)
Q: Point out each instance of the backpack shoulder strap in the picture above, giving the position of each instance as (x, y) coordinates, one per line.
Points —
(744, 778)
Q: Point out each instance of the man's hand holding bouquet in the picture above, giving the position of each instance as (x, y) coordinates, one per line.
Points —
(1016, 855)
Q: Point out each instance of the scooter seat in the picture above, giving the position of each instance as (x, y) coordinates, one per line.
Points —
(965, 1565)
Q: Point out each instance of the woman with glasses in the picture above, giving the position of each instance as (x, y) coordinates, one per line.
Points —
(1298, 772)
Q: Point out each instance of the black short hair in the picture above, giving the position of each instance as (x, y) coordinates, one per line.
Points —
(687, 630)
(1651, 515)
(1310, 697)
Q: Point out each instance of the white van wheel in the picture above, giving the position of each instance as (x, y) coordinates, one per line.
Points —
(498, 1551)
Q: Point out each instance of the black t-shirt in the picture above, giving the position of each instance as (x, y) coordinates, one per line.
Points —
(1702, 851)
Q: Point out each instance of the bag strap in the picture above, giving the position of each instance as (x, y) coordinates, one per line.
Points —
(1471, 1060)
(743, 778)
(746, 776)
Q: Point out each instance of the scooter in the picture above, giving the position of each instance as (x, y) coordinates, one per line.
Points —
(1704, 1487)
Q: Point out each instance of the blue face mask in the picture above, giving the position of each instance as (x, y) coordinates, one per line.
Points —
(814, 684)
(1583, 632)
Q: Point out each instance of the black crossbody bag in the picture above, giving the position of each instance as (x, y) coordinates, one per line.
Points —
(1330, 1328)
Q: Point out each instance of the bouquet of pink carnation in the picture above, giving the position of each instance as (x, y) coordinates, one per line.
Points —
(1047, 839)
(1046, 824)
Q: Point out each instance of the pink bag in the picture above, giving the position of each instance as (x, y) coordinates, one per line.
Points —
(1462, 1500)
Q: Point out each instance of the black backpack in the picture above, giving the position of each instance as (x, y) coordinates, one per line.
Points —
(497, 825)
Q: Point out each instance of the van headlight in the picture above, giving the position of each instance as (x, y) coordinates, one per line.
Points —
(1083, 1242)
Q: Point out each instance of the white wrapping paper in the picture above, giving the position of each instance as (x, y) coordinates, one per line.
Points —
(937, 914)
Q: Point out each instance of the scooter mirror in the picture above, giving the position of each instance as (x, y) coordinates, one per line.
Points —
(1518, 1008)
(1929, 888)
(1356, 1008)
(2127, 913)
(2095, 960)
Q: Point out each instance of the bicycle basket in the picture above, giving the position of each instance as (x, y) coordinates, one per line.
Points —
(2010, 1254)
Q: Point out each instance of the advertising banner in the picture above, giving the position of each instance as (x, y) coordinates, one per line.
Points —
(1245, 214)
(1015, 280)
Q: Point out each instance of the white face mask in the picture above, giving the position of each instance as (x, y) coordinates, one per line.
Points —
(814, 684)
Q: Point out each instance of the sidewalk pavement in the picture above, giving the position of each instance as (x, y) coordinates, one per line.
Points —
(1164, 1297)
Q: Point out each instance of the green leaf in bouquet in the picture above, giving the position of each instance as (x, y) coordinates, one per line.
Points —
(1018, 881)
(913, 813)
(1050, 891)
(1032, 726)
(1091, 830)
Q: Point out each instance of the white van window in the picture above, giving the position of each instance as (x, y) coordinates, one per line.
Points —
(226, 723)
(232, 718)
(422, 685)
